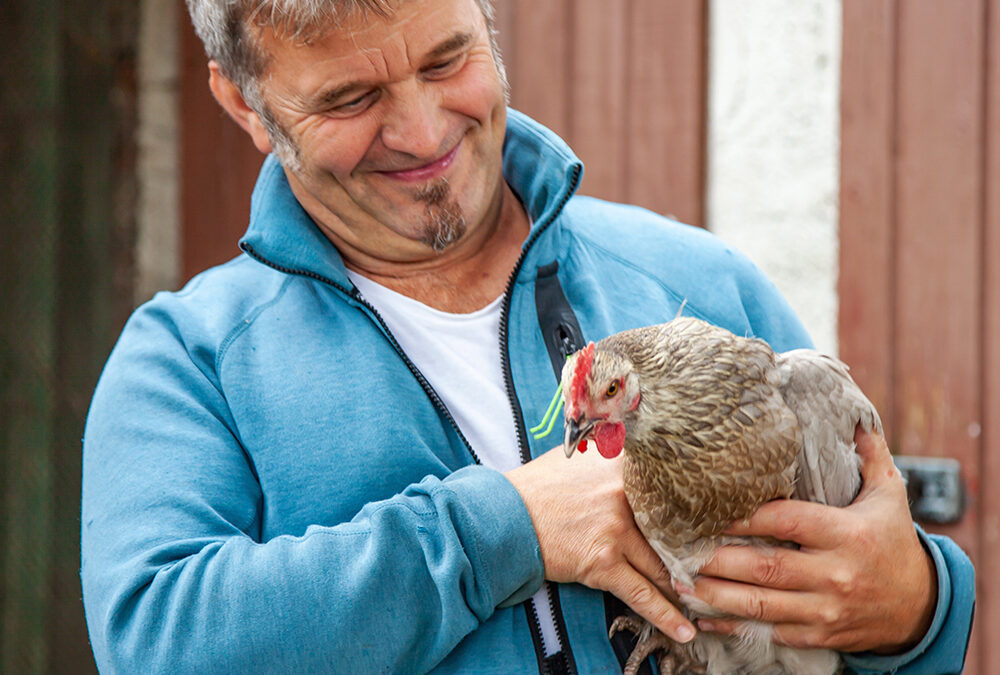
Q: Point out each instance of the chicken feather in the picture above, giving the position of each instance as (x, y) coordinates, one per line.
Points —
(714, 426)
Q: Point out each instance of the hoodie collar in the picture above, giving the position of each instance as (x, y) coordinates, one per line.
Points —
(538, 165)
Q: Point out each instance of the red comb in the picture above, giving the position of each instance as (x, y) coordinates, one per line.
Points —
(578, 387)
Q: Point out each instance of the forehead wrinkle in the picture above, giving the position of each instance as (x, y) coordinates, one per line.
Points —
(378, 55)
(380, 62)
(461, 34)
(356, 75)
(374, 55)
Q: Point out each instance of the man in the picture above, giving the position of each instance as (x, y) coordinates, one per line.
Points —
(314, 457)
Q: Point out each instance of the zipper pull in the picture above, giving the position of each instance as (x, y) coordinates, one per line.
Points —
(566, 342)
(567, 346)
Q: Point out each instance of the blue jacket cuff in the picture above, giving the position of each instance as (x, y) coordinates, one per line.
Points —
(504, 533)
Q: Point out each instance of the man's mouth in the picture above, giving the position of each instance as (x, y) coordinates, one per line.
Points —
(426, 172)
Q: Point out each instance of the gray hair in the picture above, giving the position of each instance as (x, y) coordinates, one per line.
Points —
(225, 28)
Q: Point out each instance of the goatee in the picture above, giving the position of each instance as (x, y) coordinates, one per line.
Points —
(444, 223)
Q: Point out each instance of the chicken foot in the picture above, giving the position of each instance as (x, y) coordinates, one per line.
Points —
(671, 661)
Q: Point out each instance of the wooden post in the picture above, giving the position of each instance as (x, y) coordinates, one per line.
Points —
(988, 609)
(920, 247)
(67, 121)
(30, 86)
(866, 284)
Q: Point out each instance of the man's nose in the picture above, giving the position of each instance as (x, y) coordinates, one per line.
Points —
(416, 124)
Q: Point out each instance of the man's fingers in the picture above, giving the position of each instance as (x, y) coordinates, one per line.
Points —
(790, 634)
(808, 524)
(759, 604)
(587, 534)
(647, 601)
(646, 562)
(781, 568)
(877, 467)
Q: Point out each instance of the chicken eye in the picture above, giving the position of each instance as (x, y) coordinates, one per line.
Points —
(612, 389)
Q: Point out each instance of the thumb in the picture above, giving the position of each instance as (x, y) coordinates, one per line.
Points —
(877, 467)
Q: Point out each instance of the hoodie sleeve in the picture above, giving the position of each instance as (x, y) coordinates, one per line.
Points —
(767, 312)
(177, 579)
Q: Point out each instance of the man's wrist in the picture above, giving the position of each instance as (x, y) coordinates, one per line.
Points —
(942, 649)
(924, 614)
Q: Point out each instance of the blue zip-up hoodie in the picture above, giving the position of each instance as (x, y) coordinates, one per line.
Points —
(271, 486)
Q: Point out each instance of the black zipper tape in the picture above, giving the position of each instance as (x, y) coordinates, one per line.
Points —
(560, 328)
(522, 431)
(562, 335)
(356, 296)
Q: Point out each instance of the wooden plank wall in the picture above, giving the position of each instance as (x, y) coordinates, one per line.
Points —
(219, 166)
(919, 293)
(989, 606)
(67, 166)
(623, 82)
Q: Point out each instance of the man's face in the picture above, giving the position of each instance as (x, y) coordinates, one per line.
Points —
(398, 125)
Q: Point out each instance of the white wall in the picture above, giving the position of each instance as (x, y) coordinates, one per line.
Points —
(773, 145)
(158, 217)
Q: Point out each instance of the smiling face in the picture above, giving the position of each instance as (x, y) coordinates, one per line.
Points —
(397, 126)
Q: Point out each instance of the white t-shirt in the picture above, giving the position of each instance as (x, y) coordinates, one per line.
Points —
(459, 354)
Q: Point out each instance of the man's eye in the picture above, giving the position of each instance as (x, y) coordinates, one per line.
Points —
(356, 105)
(443, 68)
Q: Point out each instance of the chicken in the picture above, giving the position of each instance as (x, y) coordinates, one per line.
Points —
(713, 426)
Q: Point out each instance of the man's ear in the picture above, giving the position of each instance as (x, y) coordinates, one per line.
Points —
(229, 97)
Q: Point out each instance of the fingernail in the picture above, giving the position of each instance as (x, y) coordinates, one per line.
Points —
(684, 634)
(706, 625)
(682, 589)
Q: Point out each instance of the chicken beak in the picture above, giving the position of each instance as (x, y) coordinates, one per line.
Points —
(574, 432)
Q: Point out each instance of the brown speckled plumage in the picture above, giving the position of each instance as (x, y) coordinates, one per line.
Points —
(723, 425)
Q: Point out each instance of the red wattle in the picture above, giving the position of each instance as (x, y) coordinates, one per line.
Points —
(582, 447)
(610, 439)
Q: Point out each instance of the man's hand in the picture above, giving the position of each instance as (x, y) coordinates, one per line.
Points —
(860, 581)
(587, 534)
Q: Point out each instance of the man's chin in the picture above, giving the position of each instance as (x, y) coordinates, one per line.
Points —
(444, 220)
(446, 227)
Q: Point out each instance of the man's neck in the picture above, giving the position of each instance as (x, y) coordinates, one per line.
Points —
(466, 278)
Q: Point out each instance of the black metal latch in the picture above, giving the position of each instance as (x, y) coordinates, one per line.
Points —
(934, 488)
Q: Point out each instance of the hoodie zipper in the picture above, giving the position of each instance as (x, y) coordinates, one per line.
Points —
(562, 639)
(568, 663)
(355, 295)
(508, 376)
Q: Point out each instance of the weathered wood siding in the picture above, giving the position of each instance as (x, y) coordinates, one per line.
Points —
(219, 165)
(920, 247)
(624, 84)
(67, 107)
